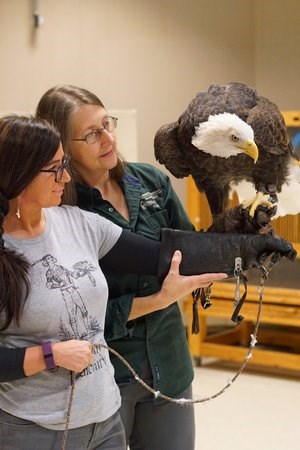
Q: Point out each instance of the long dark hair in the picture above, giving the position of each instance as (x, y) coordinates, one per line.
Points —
(26, 146)
(57, 106)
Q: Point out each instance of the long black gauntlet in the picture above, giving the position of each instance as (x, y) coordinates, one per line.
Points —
(216, 252)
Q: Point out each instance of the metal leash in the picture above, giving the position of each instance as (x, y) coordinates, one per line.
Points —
(182, 401)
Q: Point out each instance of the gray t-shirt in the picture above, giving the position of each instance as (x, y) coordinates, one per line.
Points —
(67, 300)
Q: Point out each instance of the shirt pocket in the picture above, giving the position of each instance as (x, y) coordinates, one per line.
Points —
(157, 221)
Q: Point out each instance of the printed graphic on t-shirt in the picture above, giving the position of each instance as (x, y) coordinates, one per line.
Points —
(77, 324)
(80, 325)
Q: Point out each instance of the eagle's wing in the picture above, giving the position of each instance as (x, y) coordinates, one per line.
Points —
(167, 150)
(269, 128)
(275, 149)
(172, 140)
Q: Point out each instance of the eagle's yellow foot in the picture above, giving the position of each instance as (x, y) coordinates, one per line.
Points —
(259, 199)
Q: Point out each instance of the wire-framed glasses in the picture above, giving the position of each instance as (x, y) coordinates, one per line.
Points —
(95, 135)
(59, 170)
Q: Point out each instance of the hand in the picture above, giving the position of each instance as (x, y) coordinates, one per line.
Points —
(176, 286)
(255, 249)
(73, 355)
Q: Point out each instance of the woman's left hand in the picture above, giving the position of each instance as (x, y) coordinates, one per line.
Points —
(176, 286)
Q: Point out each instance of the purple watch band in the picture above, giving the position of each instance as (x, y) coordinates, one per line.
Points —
(48, 356)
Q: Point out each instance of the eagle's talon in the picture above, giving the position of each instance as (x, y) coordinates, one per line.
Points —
(258, 200)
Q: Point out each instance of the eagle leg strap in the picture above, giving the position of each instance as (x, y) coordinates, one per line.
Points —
(205, 297)
(238, 302)
(195, 322)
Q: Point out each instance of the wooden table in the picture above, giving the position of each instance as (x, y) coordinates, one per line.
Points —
(279, 331)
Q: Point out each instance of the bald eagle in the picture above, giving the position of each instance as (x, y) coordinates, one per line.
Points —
(227, 136)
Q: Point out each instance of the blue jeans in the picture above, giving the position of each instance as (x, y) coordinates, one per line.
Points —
(19, 434)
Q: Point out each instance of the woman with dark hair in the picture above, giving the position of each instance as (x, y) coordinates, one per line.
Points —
(140, 199)
(53, 297)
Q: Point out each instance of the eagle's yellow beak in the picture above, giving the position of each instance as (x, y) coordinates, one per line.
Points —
(296, 161)
(250, 148)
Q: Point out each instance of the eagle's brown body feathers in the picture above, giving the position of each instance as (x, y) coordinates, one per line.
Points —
(213, 174)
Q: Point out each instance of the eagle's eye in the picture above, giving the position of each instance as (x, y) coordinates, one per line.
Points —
(234, 138)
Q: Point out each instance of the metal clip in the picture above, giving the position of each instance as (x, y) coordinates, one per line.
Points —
(237, 274)
(237, 267)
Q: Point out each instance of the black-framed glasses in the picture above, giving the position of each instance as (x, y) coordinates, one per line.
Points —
(95, 135)
(59, 170)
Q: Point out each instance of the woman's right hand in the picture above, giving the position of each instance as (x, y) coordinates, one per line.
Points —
(73, 355)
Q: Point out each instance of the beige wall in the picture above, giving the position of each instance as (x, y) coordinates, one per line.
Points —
(148, 55)
(277, 51)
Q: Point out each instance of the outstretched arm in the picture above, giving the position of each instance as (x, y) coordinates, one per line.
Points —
(173, 288)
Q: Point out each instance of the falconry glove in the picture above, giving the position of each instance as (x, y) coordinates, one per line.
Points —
(204, 252)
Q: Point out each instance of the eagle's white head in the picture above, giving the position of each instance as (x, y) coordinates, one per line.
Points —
(225, 135)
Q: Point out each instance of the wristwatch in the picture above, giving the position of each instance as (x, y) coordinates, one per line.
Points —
(48, 356)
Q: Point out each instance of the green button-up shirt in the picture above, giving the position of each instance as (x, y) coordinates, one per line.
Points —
(158, 337)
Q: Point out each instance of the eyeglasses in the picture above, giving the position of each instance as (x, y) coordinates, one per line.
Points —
(95, 135)
(60, 169)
